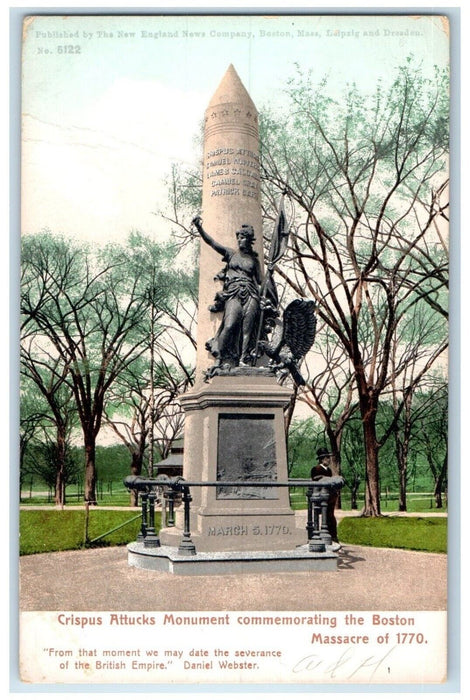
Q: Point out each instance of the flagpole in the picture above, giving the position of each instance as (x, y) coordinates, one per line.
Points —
(270, 266)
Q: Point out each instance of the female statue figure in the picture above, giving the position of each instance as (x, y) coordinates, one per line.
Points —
(239, 299)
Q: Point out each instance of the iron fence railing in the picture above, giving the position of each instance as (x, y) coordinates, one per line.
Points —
(175, 490)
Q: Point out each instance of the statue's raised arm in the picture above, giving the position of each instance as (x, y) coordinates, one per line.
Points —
(197, 222)
(239, 300)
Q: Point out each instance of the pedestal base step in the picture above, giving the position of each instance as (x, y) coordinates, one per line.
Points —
(168, 560)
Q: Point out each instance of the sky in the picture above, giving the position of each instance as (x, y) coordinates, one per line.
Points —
(110, 103)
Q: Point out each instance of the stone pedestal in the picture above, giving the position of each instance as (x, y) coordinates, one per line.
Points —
(234, 430)
(168, 560)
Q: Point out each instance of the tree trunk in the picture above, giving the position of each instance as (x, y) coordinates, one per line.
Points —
(402, 472)
(136, 470)
(372, 490)
(439, 475)
(403, 449)
(90, 471)
(438, 483)
(402, 503)
(59, 489)
(354, 492)
(335, 446)
(438, 495)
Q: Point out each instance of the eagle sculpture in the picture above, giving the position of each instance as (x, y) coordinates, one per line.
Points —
(292, 338)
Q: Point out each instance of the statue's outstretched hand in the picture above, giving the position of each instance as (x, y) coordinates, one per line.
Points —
(197, 221)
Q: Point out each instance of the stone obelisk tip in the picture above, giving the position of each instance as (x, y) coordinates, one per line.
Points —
(231, 89)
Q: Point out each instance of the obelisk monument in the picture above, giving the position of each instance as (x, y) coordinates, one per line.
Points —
(230, 194)
(234, 415)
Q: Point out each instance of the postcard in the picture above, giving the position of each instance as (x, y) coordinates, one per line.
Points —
(234, 350)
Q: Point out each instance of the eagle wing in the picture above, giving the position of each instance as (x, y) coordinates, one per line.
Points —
(299, 323)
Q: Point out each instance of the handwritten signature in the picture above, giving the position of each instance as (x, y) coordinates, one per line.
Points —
(350, 662)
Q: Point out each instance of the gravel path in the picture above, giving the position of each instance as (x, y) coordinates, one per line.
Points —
(367, 579)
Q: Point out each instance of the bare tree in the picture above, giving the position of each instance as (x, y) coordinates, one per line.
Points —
(49, 377)
(83, 309)
(368, 177)
(430, 433)
(167, 367)
(329, 390)
(130, 412)
(34, 419)
(417, 347)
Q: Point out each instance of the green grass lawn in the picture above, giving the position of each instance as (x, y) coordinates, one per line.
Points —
(119, 497)
(426, 534)
(414, 505)
(57, 530)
